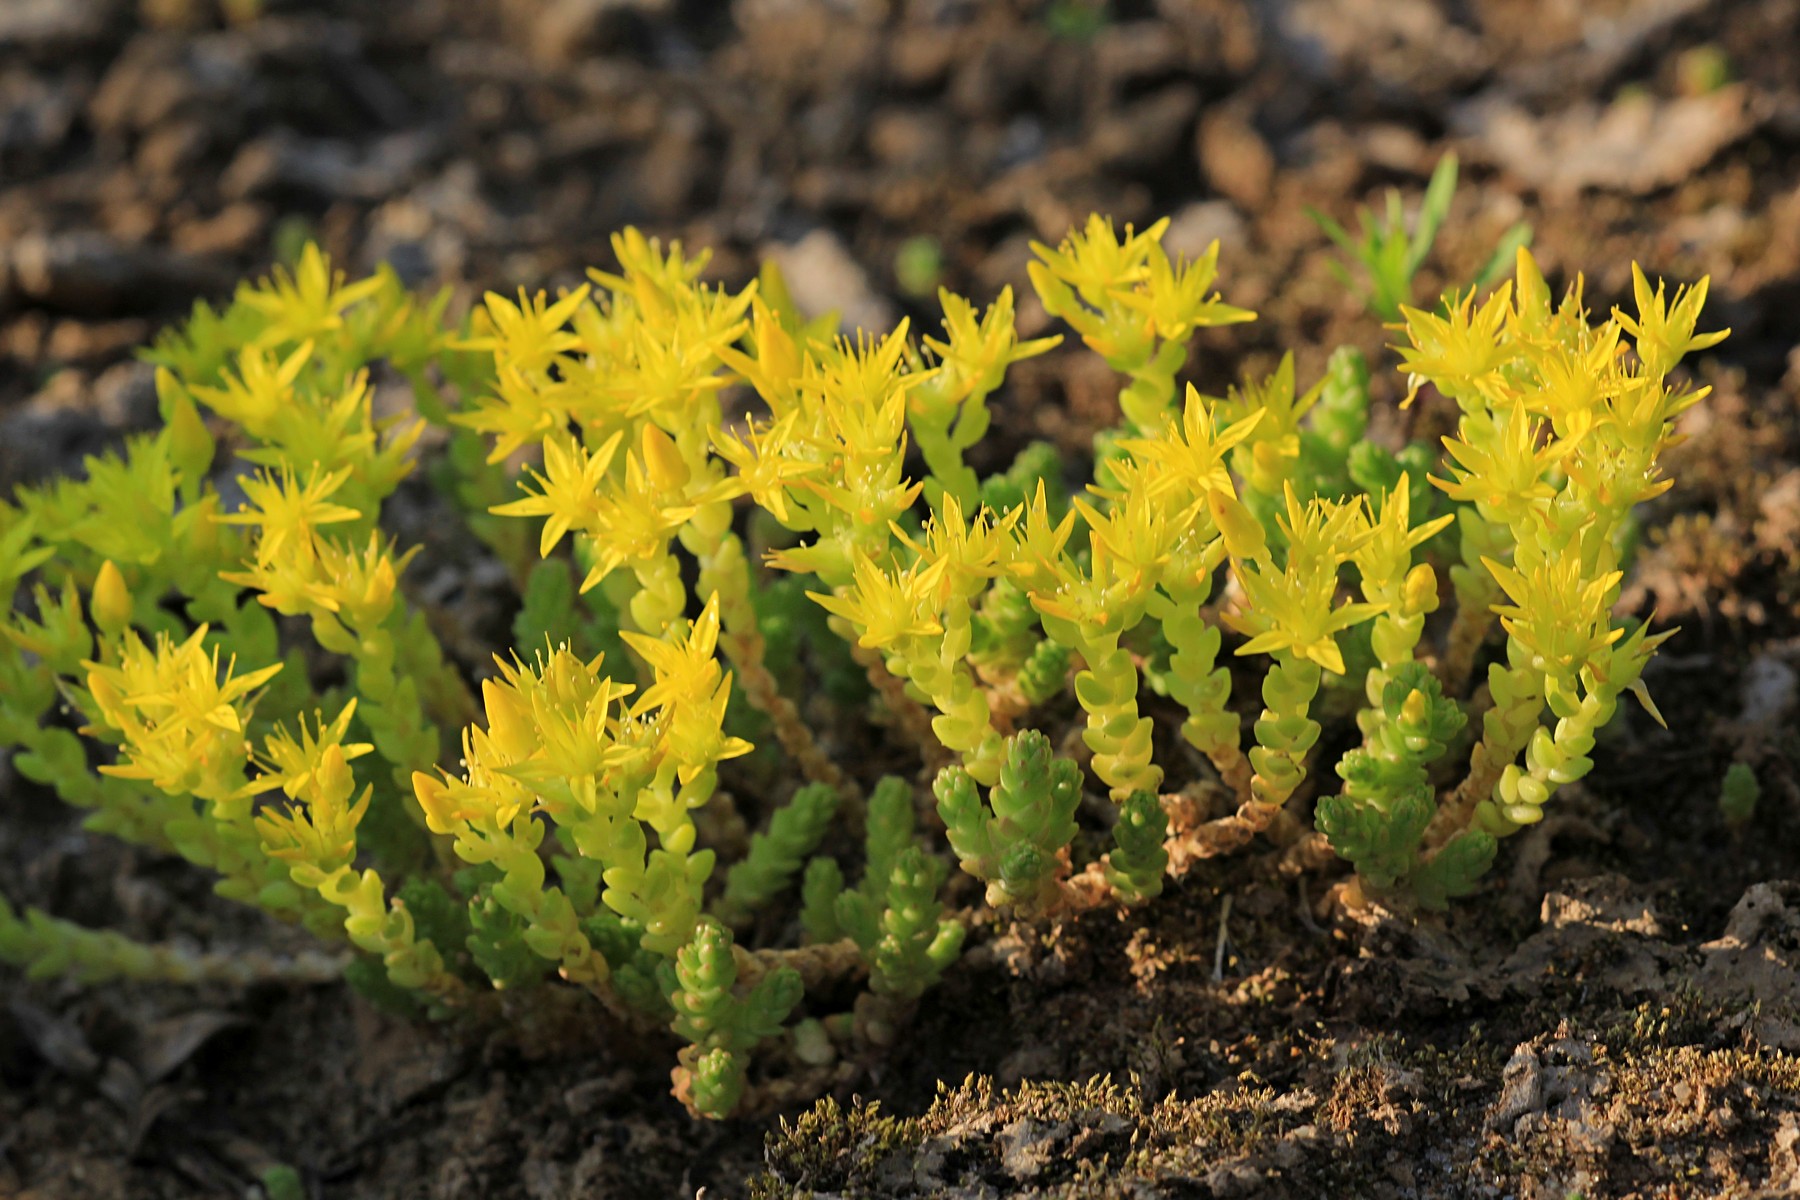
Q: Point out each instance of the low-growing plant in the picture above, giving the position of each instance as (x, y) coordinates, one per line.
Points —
(213, 651)
(1390, 250)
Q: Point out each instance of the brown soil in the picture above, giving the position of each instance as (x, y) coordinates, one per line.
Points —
(1616, 1016)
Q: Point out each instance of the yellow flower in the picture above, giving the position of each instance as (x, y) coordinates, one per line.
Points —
(1613, 479)
(1076, 606)
(321, 832)
(1463, 353)
(685, 669)
(568, 488)
(1289, 611)
(308, 303)
(180, 719)
(519, 412)
(889, 608)
(1038, 562)
(974, 354)
(775, 365)
(689, 693)
(1640, 411)
(665, 366)
(1192, 450)
(764, 469)
(1664, 329)
(1385, 554)
(288, 512)
(1531, 320)
(489, 795)
(1508, 476)
(970, 551)
(632, 520)
(257, 395)
(1559, 616)
(526, 339)
(1173, 296)
(552, 722)
(1131, 540)
(329, 432)
(1095, 262)
(648, 273)
(1322, 531)
(528, 336)
(293, 763)
(1271, 446)
(859, 393)
(286, 585)
(361, 585)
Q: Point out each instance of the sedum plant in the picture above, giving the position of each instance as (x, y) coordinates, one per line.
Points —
(927, 692)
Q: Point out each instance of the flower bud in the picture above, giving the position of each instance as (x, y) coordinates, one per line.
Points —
(110, 601)
(1242, 533)
(1418, 594)
(668, 471)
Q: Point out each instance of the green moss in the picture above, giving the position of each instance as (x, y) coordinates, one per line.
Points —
(1045, 1138)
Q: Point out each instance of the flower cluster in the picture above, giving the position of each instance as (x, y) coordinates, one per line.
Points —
(715, 485)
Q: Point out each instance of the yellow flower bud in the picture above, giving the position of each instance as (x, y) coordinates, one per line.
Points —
(111, 600)
(663, 463)
(1242, 532)
(1418, 594)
